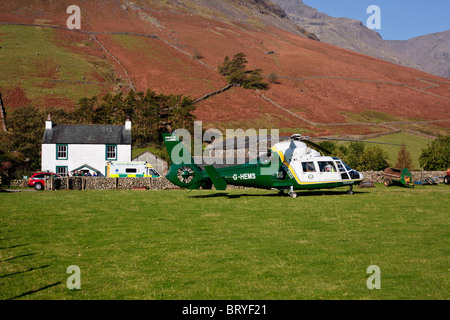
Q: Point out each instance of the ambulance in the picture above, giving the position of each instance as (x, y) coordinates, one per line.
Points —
(115, 169)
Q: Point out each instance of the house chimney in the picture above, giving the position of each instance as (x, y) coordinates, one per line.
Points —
(128, 124)
(49, 123)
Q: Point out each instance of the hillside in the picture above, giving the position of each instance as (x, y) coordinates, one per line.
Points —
(343, 32)
(431, 52)
(176, 46)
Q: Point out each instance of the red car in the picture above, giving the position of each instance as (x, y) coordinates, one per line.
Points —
(37, 180)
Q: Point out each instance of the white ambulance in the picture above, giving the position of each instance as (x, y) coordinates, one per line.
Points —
(115, 169)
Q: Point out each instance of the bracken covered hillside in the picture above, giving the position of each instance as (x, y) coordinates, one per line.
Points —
(176, 46)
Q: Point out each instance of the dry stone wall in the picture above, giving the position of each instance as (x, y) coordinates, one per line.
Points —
(378, 177)
(102, 183)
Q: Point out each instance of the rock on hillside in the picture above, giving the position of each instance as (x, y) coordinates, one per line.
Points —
(257, 12)
(431, 52)
(342, 32)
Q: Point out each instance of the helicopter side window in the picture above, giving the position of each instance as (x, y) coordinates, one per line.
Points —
(326, 166)
(308, 167)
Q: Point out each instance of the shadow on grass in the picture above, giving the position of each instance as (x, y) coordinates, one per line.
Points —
(276, 195)
(20, 272)
(9, 238)
(15, 246)
(21, 256)
(34, 291)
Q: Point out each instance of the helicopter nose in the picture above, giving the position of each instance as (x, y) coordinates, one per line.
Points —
(361, 176)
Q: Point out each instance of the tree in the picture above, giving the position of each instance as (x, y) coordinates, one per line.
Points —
(404, 159)
(374, 158)
(236, 73)
(9, 163)
(254, 80)
(85, 110)
(237, 64)
(436, 156)
(354, 153)
(25, 130)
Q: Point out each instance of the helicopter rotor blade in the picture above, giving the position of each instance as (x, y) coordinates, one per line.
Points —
(317, 147)
(356, 140)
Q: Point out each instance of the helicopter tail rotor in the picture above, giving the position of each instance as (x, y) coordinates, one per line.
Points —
(183, 171)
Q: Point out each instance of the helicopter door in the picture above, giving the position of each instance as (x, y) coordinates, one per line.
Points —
(328, 171)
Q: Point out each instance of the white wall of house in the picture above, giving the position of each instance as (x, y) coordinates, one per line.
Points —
(93, 155)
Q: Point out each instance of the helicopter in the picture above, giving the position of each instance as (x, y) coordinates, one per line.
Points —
(288, 166)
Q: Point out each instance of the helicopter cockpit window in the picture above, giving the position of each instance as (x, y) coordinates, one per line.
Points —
(326, 166)
(346, 166)
(340, 167)
(342, 170)
(308, 167)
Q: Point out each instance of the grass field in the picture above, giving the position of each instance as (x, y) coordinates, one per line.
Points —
(414, 144)
(242, 244)
(30, 57)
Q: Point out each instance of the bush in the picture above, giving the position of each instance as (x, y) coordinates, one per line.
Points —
(273, 77)
(354, 153)
(374, 159)
(360, 158)
(437, 154)
(196, 54)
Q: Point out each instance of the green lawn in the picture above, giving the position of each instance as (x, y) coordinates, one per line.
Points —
(242, 244)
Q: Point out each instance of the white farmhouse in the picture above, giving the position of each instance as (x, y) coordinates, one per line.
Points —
(70, 148)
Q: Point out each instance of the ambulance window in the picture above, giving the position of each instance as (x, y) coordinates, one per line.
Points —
(308, 167)
(130, 170)
(326, 166)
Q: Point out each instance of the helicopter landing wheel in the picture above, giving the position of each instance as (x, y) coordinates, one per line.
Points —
(350, 192)
(291, 193)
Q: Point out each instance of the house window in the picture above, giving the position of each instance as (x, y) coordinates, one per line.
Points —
(62, 151)
(111, 152)
(62, 171)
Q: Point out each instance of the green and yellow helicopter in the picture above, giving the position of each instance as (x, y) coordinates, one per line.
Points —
(288, 166)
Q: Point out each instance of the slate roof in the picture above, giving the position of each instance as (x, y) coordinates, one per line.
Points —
(87, 134)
